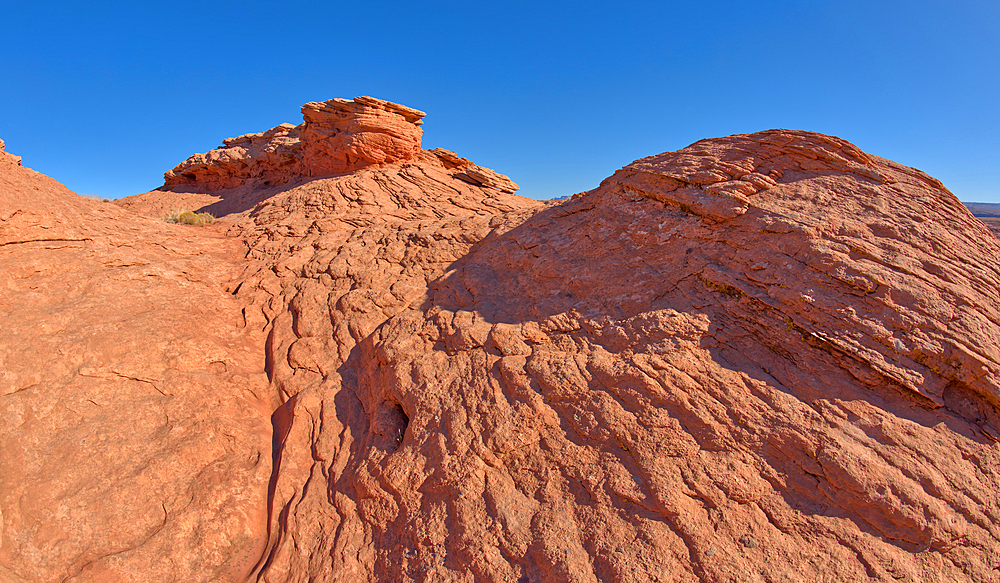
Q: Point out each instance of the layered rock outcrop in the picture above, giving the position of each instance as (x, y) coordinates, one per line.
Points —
(336, 137)
(767, 357)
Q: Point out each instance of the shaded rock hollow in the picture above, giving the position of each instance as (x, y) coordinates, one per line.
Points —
(767, 357)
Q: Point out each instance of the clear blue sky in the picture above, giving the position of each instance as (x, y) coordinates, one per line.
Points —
(106, 96)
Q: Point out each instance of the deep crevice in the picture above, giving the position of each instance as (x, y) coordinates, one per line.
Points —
(281, 425)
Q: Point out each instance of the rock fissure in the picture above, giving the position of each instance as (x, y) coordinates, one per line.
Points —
(42, 240)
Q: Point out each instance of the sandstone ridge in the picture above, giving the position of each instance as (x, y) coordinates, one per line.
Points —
(766, 357)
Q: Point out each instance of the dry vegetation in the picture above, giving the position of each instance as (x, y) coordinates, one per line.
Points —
(189, 218)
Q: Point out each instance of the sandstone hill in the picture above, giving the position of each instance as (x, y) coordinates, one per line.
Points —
(766, 357)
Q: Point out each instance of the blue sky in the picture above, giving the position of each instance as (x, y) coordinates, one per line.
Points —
(106, 96)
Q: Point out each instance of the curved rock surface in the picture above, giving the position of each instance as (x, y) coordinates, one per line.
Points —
(767, 357)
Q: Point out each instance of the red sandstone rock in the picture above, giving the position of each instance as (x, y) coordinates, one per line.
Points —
(135, 440)
(766, 357)
(473, 174)
(337, 136)
(341, 136)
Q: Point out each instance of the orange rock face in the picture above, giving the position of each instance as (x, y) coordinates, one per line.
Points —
(135, 434)
(767, 357)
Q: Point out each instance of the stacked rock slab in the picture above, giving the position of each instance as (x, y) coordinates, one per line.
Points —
(767, 357)
(474, 174)
(342, 136)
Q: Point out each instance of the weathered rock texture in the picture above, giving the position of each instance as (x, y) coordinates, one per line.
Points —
(768, 357)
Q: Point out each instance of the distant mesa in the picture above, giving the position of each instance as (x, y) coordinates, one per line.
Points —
(984, 209)
(988, 213)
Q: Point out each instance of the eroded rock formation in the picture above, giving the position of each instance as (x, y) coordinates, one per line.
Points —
(336, 136)
(767, 357)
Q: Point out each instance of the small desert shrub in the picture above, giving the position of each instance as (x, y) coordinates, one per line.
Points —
(189, 218)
